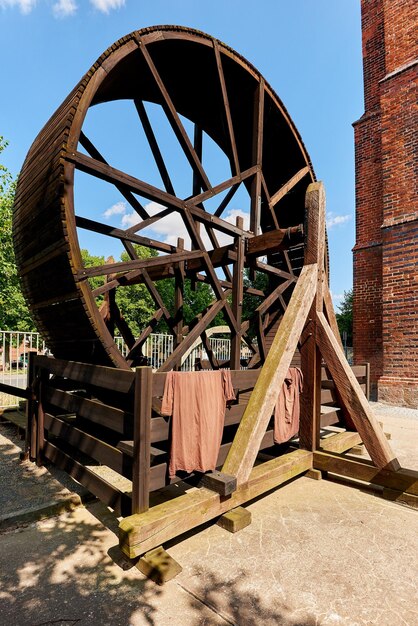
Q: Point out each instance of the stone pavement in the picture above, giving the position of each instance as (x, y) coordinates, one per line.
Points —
(316, 553)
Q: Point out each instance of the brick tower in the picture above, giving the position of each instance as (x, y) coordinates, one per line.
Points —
(386, 250)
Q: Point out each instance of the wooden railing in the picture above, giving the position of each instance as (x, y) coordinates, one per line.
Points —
(81, 416)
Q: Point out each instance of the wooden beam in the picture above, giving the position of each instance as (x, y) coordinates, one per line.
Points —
(274, 240)
(231, 193)
(153, 144)
(257, 156)
(118, 233)
(353, 398)
(237, 298)
(310, 416)
(142, 440)
(140, 533)
(136, 264)
(280, 193)
(113, 175)
(193, 334)
(260, 407)
(134, 202)
(225, 98)
(174, 120)
(404, 480)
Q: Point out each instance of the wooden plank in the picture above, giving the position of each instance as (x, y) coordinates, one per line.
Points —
(93, 152)
(237, 298)
(253, 425)
(310, 416)
(93, 447)
(340, 442)
(14, 391)
(353, 398)
(175, 121)
(159, 473)
(40, 425)
(149, 133)
(92, 410)
(142, 440)
(257, 156)
(288, 186)
(135, 264)
(227, 108)
(274, 240)
(96, 375)
(159, 566)
(140, 533)
(404, 480)
(118, 233)
(99, 487)
(231, 193)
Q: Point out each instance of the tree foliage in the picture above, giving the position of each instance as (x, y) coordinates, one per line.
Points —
(345, 316)
(14, 314)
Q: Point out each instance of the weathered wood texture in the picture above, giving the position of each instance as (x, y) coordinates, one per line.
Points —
(353, 398)
(310, 357)
(140, 533)
(401, 480)
(254, 422)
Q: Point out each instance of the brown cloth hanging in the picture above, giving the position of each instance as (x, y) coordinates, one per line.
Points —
(196, 401)
(287, 409)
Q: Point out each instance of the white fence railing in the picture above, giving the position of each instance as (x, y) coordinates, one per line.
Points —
(16, 346)
(14, 356)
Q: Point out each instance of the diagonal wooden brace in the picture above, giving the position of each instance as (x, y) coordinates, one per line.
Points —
(246, 444)
(353, 398)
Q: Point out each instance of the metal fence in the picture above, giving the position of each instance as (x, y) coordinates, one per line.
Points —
(16, 346)
(14, 356)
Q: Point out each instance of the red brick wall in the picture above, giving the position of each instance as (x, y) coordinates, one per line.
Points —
(386, 250)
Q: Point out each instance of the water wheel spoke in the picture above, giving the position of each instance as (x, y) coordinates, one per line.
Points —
(123, 235)
(284, 189)
(231, 193)
(176, 123)
(95, 154)
(257, 155)
(235, 161)
(136, 264)
(153, 144)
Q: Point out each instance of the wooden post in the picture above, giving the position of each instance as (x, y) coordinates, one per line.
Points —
(40, 427)
(178, 300)
(237, 296)
(30, 405)
(142, 440)
(253, 425)
(310, 418)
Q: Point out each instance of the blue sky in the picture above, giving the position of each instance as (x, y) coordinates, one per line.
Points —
(308, 50)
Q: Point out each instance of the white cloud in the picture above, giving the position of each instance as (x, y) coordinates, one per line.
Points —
(64, 8)
(119, 207)
(337, 298)
(335, 220)
(105, 6)
(25, 6)
(172, 226)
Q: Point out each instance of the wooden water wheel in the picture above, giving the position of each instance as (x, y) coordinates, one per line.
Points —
(209, 95)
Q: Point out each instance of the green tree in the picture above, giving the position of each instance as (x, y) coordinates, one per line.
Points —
(14, 314)
(345, 316)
